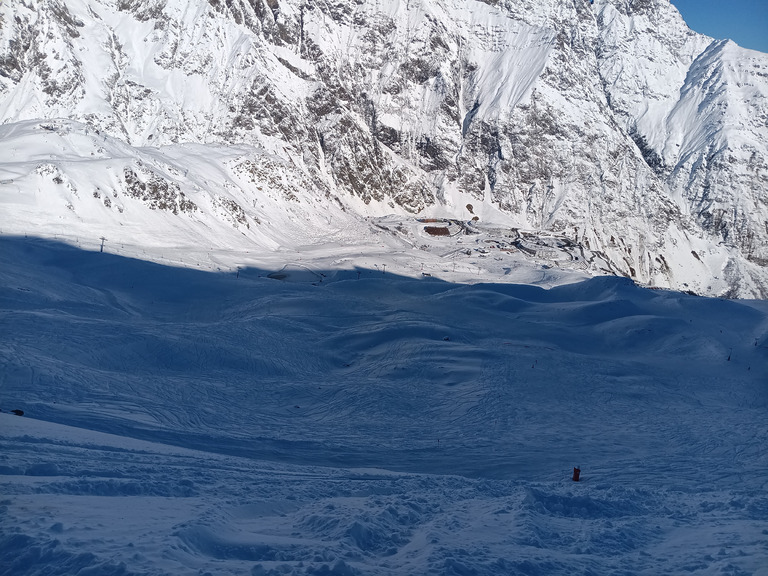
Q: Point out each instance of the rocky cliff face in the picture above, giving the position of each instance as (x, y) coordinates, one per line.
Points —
(611, 124)
(698, 111)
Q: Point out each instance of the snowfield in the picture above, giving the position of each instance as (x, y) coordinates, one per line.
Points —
(351, 288)
(281, 417)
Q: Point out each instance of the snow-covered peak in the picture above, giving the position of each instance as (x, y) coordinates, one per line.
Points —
(610, 124)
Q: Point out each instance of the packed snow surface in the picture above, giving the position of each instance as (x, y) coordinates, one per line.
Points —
(295, 417)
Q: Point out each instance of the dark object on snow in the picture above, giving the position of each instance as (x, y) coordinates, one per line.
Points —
(437, 230)
(576, 473)
(18, 412)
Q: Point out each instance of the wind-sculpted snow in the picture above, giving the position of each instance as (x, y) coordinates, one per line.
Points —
(607, 123)
(293, 420)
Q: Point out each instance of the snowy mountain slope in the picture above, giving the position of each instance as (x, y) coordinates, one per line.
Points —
(181, 422)
(298, 355)
(728, 196)
(69, 179)
(223, 207)
(544, 116)
(698, 110)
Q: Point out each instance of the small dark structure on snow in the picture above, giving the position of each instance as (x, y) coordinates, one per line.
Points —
(437, 230)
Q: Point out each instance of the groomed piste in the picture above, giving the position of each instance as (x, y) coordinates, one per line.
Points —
(296, 420)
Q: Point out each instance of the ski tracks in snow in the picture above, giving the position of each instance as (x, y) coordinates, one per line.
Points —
(381, 426)
(76, 499)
